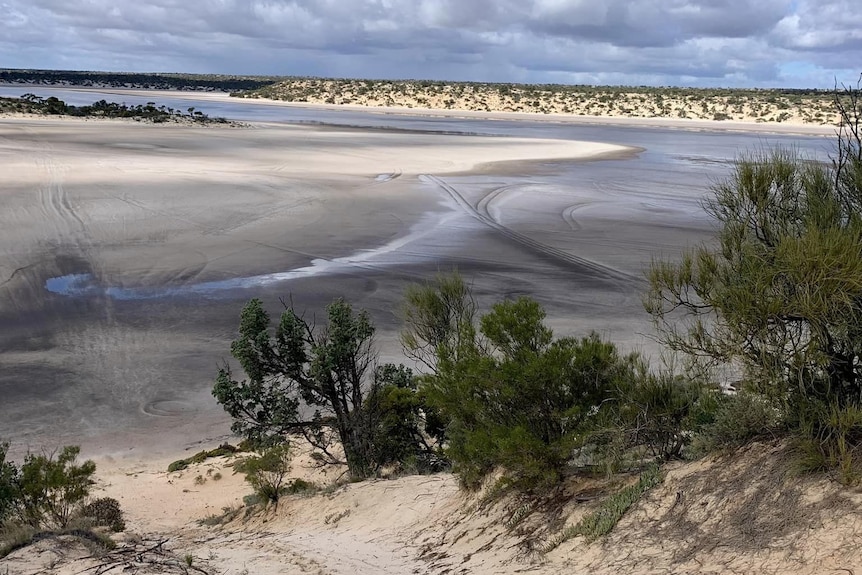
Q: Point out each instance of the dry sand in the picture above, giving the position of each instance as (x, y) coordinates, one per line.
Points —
(744, 514)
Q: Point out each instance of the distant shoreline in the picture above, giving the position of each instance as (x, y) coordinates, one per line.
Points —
(625, 121)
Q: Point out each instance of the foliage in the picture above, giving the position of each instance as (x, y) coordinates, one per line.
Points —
(8, 483)
(105, 512)
(14, 536)
(53, 106)
(201, 456)
(511, 395)
(267, 472)
(329, 369)
(51, 487)
(736, 420)
(439, 320)
(832, 440)
(658, 412)
(603, 520)
(395, 414)
(781, 293)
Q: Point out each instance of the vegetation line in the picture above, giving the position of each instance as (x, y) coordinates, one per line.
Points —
(52, 106)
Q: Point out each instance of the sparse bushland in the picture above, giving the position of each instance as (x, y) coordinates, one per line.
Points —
(753, 105)
(366, 417)
(780, 295)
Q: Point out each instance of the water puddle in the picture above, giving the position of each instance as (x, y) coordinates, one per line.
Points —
(86, 285)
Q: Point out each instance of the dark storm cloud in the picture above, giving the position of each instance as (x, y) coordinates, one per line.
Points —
(708, 42)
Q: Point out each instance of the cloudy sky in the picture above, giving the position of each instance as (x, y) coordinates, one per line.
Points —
(764, 43)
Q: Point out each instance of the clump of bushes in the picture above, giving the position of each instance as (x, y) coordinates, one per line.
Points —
(48, 494)
(105, 512)
(511, 396)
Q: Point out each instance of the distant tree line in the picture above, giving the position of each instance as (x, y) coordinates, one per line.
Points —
(52, 106)
(199, 82)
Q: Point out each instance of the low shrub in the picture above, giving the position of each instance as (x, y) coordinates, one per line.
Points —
(298, 485)
(735, 420)
(658, 412)
(267, 472)
(602, 521)
(831, 439)
(14, 536)
(50, 489)
(201, 456)
(8, 483)
(105, 512)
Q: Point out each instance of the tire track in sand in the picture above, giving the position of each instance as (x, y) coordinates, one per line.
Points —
(54, 199)
(481, 213)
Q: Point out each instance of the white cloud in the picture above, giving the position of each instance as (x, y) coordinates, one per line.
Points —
(707, 42)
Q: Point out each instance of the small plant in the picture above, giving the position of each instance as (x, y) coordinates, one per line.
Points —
(334, 518)
(201, 456)
(267, 472)
(200, 480)
(299, 486)
(604, 519)
(736, 420)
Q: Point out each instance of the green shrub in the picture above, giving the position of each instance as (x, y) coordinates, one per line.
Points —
(516, 398)
(8, 483)
(105, 512)
(267, 471)
(14, 536)
(201, 456)
(736, 420)
(657, 411)
(178, 465)
(831, 439)
(298, 485)
(51, 488)
(605, 518)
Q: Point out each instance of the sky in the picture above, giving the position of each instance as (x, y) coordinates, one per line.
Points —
(709, 43)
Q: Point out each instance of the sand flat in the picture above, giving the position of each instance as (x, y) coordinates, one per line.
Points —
(132, 219)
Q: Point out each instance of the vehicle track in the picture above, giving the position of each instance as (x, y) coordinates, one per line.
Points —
(482, 215)
(54, 199)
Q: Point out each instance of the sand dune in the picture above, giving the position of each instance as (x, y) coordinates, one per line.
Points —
(719, 515)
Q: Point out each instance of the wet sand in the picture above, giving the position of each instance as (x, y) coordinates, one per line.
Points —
(129, 249)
